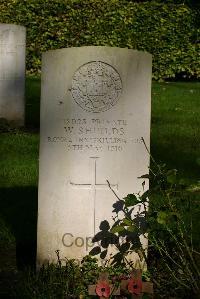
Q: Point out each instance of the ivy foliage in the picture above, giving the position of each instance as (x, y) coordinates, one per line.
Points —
(168, 31)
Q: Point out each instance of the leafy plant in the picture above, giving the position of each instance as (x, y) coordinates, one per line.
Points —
(168, 222)
(169, 30)
(51, 281)
(68, 279)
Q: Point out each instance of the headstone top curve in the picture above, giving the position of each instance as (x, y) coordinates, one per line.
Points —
(82, 48)
(12, 25)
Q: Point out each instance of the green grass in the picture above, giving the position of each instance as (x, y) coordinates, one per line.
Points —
(19, 163)
(175, 133)
(175, 140)
(19, 166)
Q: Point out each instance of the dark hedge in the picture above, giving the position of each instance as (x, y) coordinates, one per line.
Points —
(168, 31)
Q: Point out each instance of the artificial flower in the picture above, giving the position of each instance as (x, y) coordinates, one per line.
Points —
(135, 286)
(103, 289)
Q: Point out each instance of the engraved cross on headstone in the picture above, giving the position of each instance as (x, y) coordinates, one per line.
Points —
(94, 186)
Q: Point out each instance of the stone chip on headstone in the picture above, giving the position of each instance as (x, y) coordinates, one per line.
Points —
(12, 73)
(95, 108)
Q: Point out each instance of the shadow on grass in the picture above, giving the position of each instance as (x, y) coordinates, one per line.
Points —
(18, 206)
(185, 161)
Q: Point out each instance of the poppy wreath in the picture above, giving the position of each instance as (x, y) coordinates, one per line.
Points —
(103, 289)
(135, 286)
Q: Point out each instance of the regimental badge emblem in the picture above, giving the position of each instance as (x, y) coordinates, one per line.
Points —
(96, 86)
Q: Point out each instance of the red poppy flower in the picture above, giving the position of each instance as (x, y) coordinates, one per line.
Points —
(135, 286)
(103, 289)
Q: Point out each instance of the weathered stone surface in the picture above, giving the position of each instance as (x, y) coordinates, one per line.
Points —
(95, 107)
(12, 73)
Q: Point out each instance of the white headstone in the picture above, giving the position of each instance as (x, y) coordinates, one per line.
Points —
(12, 72)
(95, 108)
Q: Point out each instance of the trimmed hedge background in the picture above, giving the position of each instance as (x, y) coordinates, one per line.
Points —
(168, 31)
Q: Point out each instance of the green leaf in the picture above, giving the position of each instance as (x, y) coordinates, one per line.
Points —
(131, 229)
(127, 221)
(117, 229)
(130, 200)
(171, 176)
(171, 179)
(162, 217)
(144, 196)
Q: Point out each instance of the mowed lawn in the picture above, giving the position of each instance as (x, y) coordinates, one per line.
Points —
(175, 140)
(175, 129)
